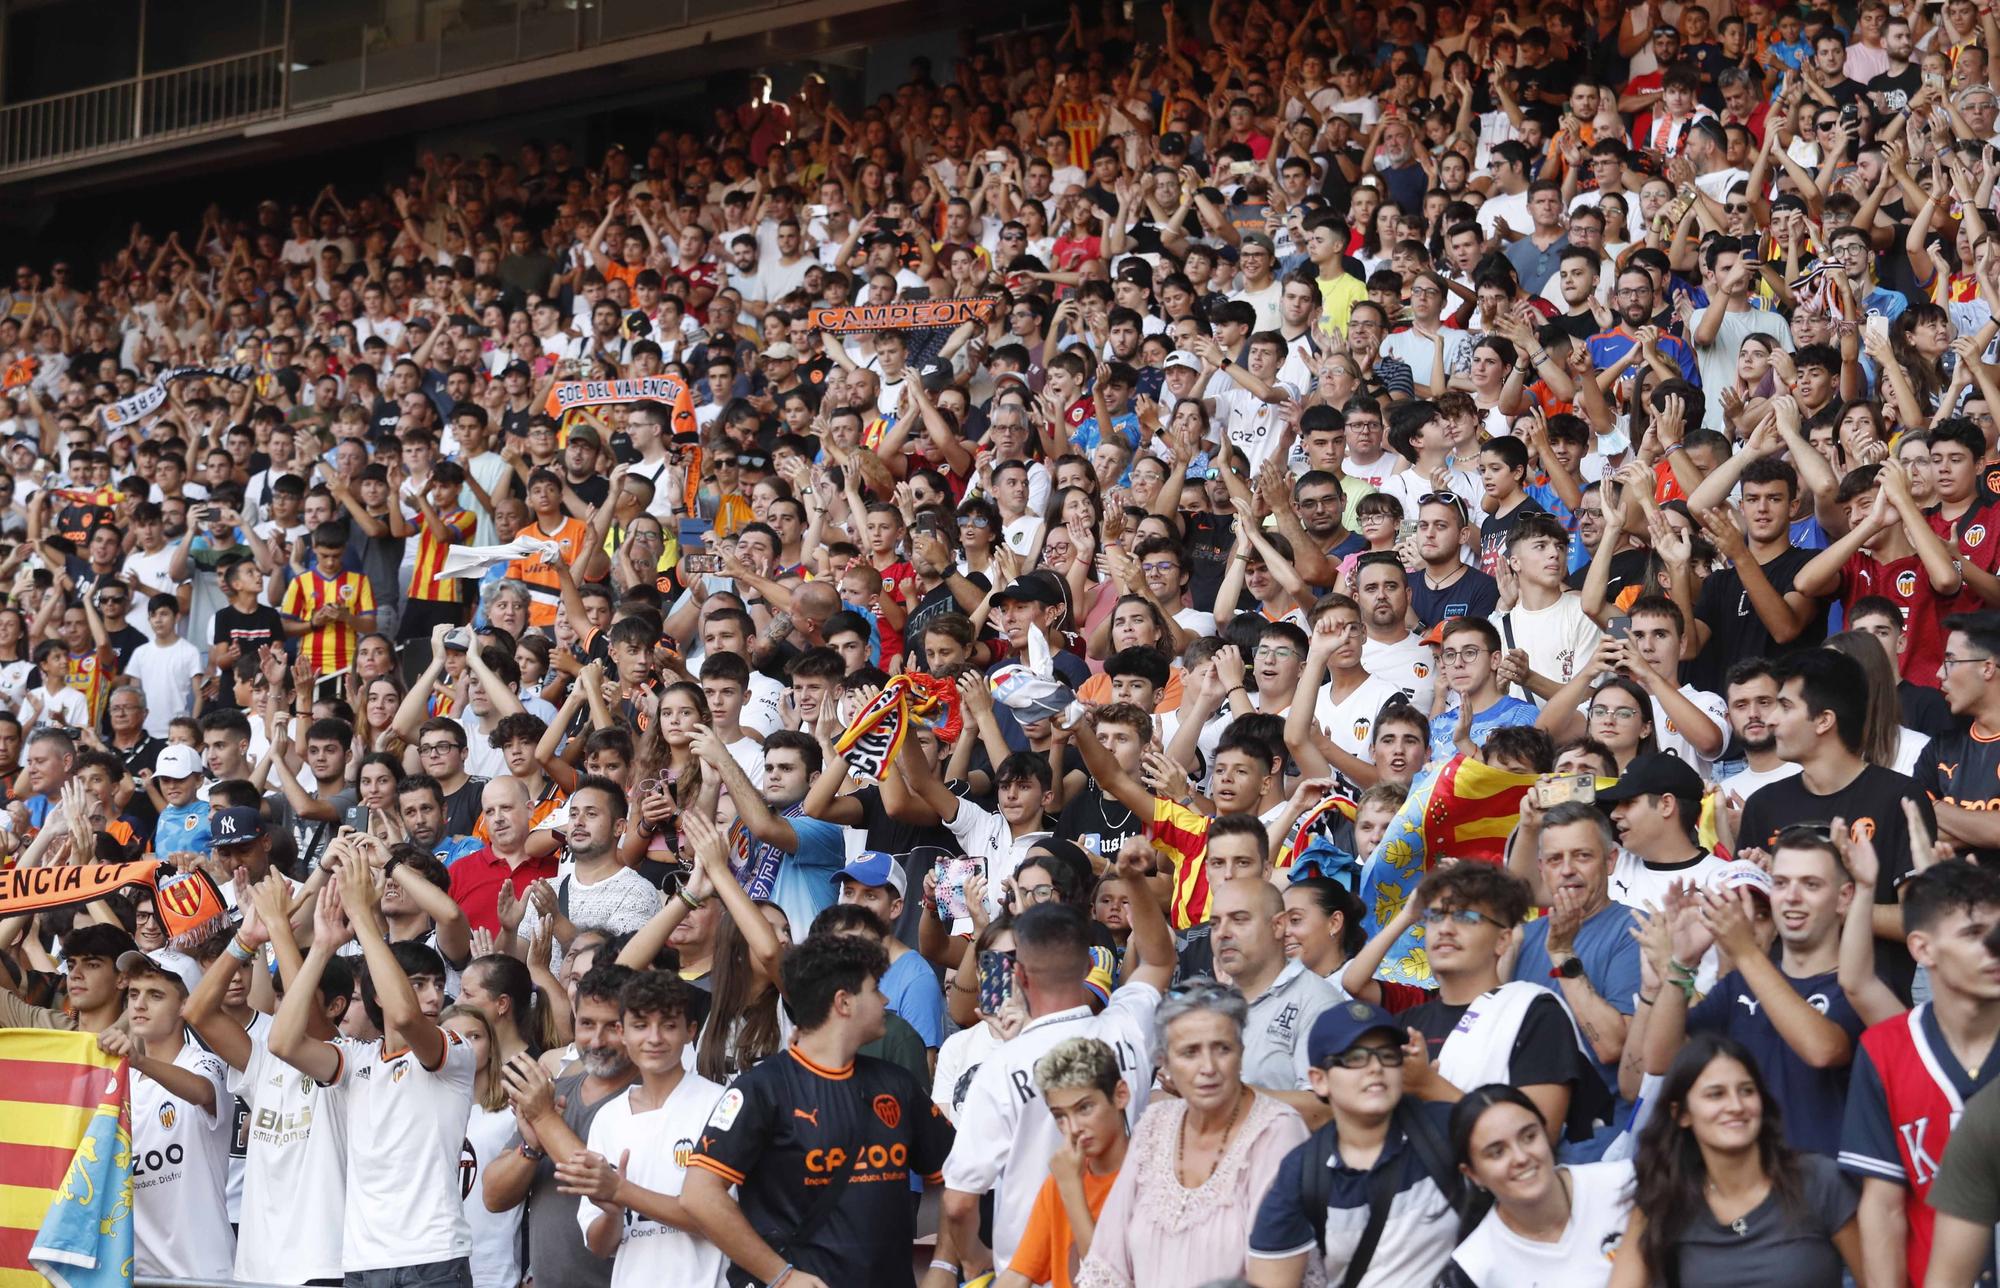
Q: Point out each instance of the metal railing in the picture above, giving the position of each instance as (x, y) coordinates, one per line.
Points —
(318, 66)
(145, 109)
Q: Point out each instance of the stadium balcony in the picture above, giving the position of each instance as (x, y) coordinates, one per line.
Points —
(263, 78)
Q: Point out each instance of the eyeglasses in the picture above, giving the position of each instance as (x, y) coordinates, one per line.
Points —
(1160, 565)
(1275, 652)
(1468, 654)
(1043, 893)
(1457, 916)
(1319, 502)
(1948, 662)
(1358, 1057)
(438, 748)
(1613, 713)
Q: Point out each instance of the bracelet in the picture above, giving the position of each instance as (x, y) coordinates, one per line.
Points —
(240, 951)
(780, 1276)
(946, 1266)
(1674, 447)
(1648, 1001)
(693, 904)
(1539, 358)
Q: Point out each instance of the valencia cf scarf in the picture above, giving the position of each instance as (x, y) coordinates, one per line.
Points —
(190, 906)
(126, 412)
(873, 740)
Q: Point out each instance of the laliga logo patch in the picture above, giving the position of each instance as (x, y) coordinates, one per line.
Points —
(889, 1110)
(1906, 582)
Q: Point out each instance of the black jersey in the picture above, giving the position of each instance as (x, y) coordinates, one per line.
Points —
(1963, 769)
(788, 1127)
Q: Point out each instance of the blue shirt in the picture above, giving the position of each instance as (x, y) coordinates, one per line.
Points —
(1610, 958)
(182, 827)
(1815, 1100)
(453, 848)
(1090, 433)
(1507, 711)
(1607, 347)
(911, 987)
(804, 885)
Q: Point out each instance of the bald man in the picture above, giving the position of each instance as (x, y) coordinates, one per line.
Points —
(477, 880)
(1245, 926)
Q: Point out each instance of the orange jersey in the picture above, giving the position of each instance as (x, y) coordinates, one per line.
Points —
(544, 590)
(330, 647)
(424, 580)
(536, 817)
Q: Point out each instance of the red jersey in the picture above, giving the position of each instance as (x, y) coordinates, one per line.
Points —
(1976, 533)
(1905, 584)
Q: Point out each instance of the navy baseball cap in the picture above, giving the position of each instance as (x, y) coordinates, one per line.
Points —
(235, 825)
(1338, 1028)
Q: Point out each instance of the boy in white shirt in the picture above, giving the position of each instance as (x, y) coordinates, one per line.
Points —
(165, 666)
(409, 1094)
(181, 1124)
(631, 1172)
(55, 704)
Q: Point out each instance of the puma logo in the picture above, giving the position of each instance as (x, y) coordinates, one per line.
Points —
(811, 1116)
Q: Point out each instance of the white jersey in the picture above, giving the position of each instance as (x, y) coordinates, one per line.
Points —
(406, 1134)
(1005, 1132)
(180, 1166)
(1407, 665)
(1672, 741)
(239, 1121)
(296, 1161)
(1638, 884)
(650, 1253)
(1350, 723)
(496, 1236)
(1492, 1255)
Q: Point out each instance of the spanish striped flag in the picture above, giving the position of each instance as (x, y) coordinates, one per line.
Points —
(1460, 808)
(65, 1162)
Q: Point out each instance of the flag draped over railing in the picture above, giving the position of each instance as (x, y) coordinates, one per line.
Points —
(1460, 809)
(65, 1162)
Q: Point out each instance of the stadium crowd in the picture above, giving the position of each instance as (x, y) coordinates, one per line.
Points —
(1336, 408)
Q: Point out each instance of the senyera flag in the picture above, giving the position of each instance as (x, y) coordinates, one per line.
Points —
(65, 1162)
(1462, 809)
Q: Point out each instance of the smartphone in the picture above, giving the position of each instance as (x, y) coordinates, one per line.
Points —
(207, 513)
(996, 979)
(1621, 627)
(952, 876)
(702, 563)
(1240, 168)
(692, 531)
(1405, 530)
(816, 212)
(1556, 789)
(996, 158)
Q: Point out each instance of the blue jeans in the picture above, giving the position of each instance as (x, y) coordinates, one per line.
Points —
(456, 1273)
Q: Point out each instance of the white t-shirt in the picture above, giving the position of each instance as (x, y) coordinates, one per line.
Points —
(619, 903)
(1636, 885)
(983, 833)
(406, 1128)
(180, 1170)
(167, 677)
(1558, 639)
(1412, 485)
(958, 1062)
(1005, 1132)
(151, 570)
(1513, 207)
(1406, 665)
(41, 709)
(496, 1236)
(650, 1253)
(1350, 723)
(296, 1161)
(1601, 1201)
(1253, 425)
(1668, 735)
(1737, 788)
(1420, 351)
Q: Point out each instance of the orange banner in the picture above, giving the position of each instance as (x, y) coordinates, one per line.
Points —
(188, 902)
(904, 315)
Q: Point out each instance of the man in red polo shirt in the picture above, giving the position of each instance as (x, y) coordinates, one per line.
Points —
(476, 878)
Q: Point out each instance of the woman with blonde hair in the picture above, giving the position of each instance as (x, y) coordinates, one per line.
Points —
(489, 1131)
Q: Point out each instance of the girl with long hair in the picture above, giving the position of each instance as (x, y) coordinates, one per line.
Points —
(1720, 1199)
(745, 1021)
(1620, 716)
(1531, 1221)
(1884, 740)
(489, 1130)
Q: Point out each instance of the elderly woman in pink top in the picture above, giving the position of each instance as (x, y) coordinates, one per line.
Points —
(1181, 1211)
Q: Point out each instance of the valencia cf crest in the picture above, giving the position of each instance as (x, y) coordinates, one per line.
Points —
(1906, 582)
(889, 1110)
(1974, 535)
(168, 1114)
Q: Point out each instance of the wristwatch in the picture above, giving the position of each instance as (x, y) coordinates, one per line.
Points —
(1570, 968)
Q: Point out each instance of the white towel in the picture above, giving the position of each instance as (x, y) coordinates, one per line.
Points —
(473, 561)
